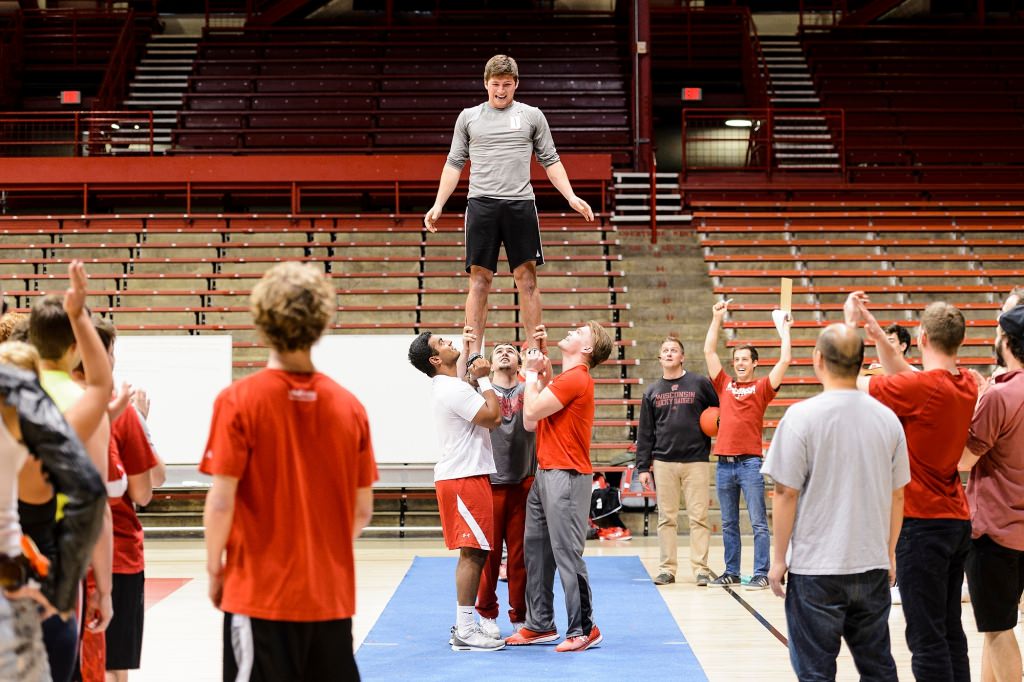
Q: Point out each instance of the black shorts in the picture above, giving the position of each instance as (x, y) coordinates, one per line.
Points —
(493, 222)
(271, 650)
(995, 578)
(124, 634)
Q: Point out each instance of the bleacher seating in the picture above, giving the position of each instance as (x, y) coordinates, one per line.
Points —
(164, 274)
(924, 104)
(399, 89)
(903, 259)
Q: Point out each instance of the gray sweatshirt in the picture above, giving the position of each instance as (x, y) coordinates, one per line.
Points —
(499, 143)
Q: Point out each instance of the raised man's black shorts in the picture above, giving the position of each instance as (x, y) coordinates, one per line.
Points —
(493, 222)
(995, 578)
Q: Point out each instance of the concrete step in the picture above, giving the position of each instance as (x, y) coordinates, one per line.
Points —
(147, 103)
(789, 136)
(645, 186)
(647, 209)
(627, 197)
(647, 218)
(809, 166)
(804, 146)
(808, 155)
(626, 174)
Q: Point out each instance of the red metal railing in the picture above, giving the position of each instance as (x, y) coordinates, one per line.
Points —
(764, 140)
(76, 133)
(114, 87)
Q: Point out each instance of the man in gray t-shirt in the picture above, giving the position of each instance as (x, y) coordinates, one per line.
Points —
(839, 462)
(498, 137)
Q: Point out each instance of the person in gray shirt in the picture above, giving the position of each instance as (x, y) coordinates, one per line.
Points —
(839, 462)
(498, 137)
(515, 458)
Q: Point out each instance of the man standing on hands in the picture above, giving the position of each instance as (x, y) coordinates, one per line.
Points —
(464, 417)
(561, 409)
(935, 407)
(670, 435)
(498, 137)
(837, 540)
(738, 446)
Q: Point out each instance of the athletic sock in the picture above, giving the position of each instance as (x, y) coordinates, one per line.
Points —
(464, 619)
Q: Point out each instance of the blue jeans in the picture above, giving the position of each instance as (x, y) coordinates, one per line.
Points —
(930, 557)
(732, 478)
(821, 610)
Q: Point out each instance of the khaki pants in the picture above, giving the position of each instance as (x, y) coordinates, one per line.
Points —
(693, 480)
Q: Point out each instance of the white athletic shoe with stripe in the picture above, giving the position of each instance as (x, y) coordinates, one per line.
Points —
(475, 640)
(490, 628)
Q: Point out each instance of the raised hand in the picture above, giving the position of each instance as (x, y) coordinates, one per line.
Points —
(540, 335)
(535, 361)
(853, 308)
(74, 297)
(720, 308)
(141, 402)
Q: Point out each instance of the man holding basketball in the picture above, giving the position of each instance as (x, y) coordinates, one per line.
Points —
(670, 435)
(498, 137)
(738, 447)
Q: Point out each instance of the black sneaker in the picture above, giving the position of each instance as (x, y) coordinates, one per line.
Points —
(703, 579)
(758, 582)
(664, 579)
(725, 580)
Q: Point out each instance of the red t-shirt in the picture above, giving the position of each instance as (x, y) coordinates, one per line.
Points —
(563, 439)
(136, 456)
(741, 419)
(935, 408)
(300, 446)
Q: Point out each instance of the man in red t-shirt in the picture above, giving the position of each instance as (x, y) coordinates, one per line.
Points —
(738, 447)
(292, 464)
(561, 410)
(935, 407)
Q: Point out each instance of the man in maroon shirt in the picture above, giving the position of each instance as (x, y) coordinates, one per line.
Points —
(995, 457)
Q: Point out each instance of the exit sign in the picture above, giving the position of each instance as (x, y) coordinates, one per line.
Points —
(71, 97)
(693, 94)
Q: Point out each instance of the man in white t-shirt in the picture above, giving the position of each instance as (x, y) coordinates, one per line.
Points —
(464, 417)
(837, 541)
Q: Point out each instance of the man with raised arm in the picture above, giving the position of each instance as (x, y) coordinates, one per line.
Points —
(935, 407)
(498, 137)
(561, 410)
(464, 416)
(743, 402)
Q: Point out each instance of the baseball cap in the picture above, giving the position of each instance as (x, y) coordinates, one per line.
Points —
(1012, 322)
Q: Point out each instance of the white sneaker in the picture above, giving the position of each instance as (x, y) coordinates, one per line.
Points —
(490, 628)
(894, 592)
(475, 640)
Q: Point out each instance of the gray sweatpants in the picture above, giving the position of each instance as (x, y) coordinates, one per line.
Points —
(556, 532)
(22, 654)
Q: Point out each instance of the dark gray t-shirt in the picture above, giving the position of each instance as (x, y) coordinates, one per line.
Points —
(500, 142)
(515, 448)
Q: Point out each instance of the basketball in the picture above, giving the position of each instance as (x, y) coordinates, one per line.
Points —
(709, 421)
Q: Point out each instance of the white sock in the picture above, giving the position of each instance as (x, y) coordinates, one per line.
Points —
(464, 619)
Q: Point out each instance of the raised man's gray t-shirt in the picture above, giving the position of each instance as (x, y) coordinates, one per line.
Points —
(845, 453)
(499, 143)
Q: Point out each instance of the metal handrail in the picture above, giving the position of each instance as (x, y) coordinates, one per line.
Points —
(122, 60)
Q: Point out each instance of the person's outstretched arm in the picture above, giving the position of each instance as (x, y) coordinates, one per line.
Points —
(785, 355)
(90, 410)
(711, 340)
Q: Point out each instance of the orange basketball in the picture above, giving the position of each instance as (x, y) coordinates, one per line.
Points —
(709, 421)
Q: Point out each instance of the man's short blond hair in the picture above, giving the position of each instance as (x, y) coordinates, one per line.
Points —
(944, 324)
(601, 344)
(21, 355)
(501, 65)
(292, 305)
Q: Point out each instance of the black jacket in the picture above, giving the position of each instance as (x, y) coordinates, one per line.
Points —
(49, 438)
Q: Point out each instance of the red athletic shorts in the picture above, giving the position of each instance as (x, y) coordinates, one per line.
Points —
(467, 511)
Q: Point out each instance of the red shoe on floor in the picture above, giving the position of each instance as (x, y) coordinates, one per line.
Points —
(582, 642)
(614, 534)
(525, 636)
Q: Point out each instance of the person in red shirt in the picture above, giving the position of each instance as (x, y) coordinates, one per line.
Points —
(995, 458)
(561, 410)
(935, 407)
(739, 450)
(292, 464)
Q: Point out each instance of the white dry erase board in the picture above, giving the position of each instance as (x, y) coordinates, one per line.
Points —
(182, 376)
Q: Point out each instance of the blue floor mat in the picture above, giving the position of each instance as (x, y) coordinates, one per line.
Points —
(410, 639)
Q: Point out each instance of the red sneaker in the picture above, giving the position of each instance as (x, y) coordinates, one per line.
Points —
(582, 642)
(525, 636)
(614, 534)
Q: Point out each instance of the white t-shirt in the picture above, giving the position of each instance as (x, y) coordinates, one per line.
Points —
(845, 453)
(12, 456)
(465, 447)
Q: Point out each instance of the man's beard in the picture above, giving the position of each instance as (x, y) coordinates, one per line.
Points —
(999, 349)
